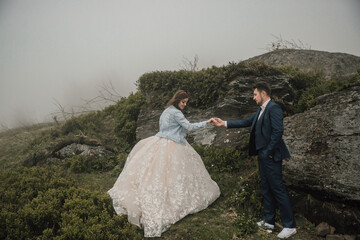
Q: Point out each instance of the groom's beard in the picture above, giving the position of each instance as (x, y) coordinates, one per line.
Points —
(261, 102)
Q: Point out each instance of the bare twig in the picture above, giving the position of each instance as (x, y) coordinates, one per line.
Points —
(190, 65)
(107, 94)
(281, 43)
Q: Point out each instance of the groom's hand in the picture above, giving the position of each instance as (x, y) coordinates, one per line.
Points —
(218, 122)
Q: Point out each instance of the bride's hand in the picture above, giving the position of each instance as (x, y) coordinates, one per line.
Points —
(210, 120)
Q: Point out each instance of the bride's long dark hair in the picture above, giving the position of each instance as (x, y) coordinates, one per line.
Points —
(175, 100)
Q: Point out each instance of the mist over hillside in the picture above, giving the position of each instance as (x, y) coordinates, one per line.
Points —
(66, 167)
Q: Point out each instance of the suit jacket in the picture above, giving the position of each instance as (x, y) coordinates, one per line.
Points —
(265, 133)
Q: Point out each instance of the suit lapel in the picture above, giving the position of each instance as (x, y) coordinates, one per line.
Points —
(261, 119)
(255, 119)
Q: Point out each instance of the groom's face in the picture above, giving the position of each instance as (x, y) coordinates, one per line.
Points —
(258, 98)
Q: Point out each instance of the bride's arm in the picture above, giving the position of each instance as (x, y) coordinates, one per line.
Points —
(180, 118)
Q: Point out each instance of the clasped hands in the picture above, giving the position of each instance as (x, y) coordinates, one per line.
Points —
(216, 121)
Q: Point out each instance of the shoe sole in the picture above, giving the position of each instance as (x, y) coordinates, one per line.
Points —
(287, 236)
(267, 227)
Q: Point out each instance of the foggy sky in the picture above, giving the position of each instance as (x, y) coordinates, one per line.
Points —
(64, 50)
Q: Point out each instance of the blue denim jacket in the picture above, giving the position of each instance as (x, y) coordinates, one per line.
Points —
(173, 125)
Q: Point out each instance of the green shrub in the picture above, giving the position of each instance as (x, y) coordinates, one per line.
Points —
(121, 160)
(247, 200)
(89, 123)
(41, 203)
(225, 159)
(338, 84)
(126, 113)
(113, 128)
(245, 225)
(205, 86)
(87, 164)
(247, 203)
(308, 86)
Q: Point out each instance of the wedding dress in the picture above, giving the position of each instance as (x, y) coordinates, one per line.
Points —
(162, 182)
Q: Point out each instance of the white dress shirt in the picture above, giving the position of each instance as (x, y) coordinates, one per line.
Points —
(263, 107)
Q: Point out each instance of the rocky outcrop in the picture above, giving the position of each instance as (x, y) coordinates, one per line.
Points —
(323, 172)
(325, 147)
(331, 64)
(237, 104)
(79, 149)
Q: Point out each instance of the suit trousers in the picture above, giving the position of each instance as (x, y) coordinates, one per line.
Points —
(274, 192)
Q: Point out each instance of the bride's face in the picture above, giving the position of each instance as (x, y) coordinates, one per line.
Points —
(182, 103)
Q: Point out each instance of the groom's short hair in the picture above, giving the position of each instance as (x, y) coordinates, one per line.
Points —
(263, 86)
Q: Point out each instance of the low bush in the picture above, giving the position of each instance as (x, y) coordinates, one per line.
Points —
(88, 164)
(225, 159)
(247, 204)
(310, 85)
(121, 160)
(245, 225)
(126, 113)
(114, 128)
(42, 203)
(222, 159)
(205, 86)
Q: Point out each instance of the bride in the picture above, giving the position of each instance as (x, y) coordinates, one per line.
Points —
(164, 178)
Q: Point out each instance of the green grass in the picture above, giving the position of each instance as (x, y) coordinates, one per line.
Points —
(14, 141)
(95, 181)
(215, 222)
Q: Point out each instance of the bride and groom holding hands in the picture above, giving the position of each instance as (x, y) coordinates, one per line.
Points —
(164, 178)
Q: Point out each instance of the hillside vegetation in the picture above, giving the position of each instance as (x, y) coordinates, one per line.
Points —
(67, 199)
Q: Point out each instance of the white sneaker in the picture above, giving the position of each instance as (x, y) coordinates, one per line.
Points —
(262, 223)
(287, 232)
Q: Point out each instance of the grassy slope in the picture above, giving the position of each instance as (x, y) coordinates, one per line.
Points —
(114, 128)
(215, 222)
(14, 141)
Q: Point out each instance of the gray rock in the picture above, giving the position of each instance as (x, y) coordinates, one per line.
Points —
(237, 104)
(349, 237)
(331, 64)
(53, 160)
(335, 237)
(325, 146)
(81, 149)
(323, 172)
(323, 229)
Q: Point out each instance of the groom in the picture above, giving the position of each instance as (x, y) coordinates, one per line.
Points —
(266, 142)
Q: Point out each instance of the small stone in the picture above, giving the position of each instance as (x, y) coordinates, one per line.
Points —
(332, 230)
(323, 229)
(349, 237)
(335, 237)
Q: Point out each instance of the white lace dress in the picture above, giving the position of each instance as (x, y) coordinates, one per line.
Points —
(162, 182)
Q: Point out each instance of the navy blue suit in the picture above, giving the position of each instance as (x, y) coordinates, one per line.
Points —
(266, 142)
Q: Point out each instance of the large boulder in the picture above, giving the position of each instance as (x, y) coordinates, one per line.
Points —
(325, 146)
(237, 104)
(323, 172)
(331, 64)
